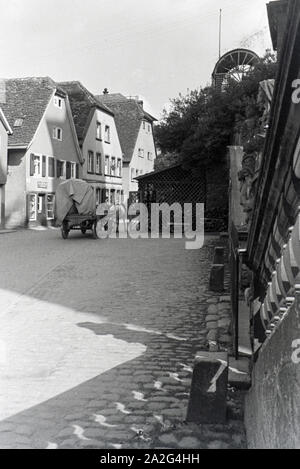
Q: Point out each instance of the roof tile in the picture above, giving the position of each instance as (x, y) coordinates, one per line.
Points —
(128, 117)
(26, 99)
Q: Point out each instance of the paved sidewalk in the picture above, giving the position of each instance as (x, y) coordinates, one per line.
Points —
(98, 340)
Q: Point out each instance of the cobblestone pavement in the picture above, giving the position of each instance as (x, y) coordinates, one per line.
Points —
(97, 342)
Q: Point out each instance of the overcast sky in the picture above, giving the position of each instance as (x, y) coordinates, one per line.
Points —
(151, 48)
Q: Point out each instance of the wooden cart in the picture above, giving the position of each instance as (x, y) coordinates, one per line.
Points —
(79, 222)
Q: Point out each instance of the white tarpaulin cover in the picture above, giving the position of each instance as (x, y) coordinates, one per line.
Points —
(74, 192)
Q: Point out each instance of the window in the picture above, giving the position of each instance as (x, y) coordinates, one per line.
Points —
(113, 166)
(51, 167)
(18, 123)
(50, 206)
(58, 102)
(141, 153)
(32, 207)
(149, 128)
(73, 170)
(132, 174)
(57, 133)
(119, 168)
(118, 197)
(98, 196)
(144, 125)
(60, 169)
(149, 156)
(98, 131)
(35, 165)
(40, 203)
(106, 169)
(112, 196)
(98, 163)
(107, 134)
(106, 195)
(68, 169)
(90, 162)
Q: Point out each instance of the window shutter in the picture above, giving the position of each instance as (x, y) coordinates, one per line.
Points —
(32, 164)
(68, 170)
(43, 166)
(77, 171)
(51, 167)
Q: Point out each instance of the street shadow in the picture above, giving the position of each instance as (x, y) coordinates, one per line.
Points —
(146, 293)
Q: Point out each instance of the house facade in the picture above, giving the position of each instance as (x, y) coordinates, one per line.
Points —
(42, 151)
(5, 130)
(99, 142)
(135, 129)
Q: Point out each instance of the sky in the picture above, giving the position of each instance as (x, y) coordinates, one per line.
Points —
(154, 49)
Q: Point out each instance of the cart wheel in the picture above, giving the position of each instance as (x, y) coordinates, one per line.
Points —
(95, 234)
(64, 232)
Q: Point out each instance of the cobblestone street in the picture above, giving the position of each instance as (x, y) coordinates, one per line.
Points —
(98, 340)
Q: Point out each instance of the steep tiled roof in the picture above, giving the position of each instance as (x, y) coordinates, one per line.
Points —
(5, 122)
(25, 99)
(128, 116)
(82, 102)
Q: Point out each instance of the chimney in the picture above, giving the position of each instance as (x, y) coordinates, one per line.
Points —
(105, 91)
(141, 103)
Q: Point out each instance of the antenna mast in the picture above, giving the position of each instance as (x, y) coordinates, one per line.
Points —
(220, 32)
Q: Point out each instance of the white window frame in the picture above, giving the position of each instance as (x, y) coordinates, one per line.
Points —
(47, 206)
(107, 134)
(98, 163)
(89, 169)
(73, 170)
(113, 166)
(107, 165)
(39, 173)
(98, 130)
(119, 167)
(63, 169)
(98, 195)
(40, 203)
(56, 132)
(35, 207)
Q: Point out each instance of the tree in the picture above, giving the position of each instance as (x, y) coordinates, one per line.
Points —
(201, 124)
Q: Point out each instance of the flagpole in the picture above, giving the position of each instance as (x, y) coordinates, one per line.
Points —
(220, 32)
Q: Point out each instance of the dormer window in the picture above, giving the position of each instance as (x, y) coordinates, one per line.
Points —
(57, 133)
(58, 101)
(18, 123)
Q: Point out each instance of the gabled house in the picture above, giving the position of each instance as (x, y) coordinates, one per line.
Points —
(5, 131)
(42, 151)
(99, 142)
(135, 129)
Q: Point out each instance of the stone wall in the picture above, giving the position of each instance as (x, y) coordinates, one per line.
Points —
(272, 412)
